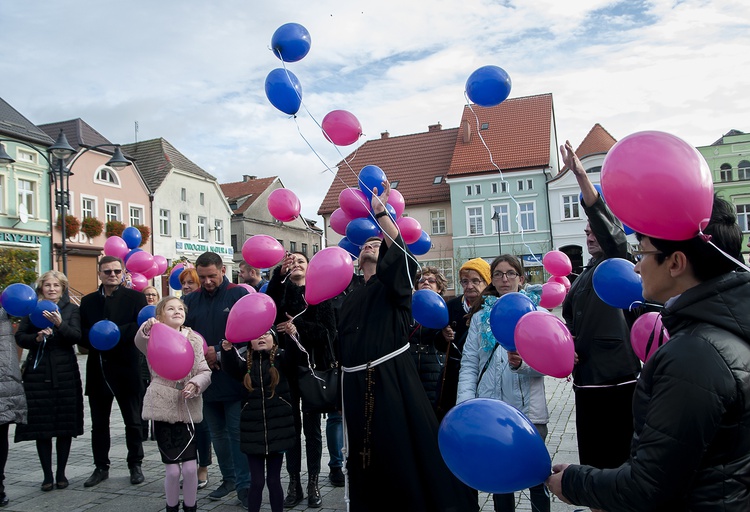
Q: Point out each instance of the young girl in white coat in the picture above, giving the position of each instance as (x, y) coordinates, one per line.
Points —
(176, 406)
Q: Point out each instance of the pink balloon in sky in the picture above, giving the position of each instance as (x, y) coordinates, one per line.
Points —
(341, 127)
(283, 205)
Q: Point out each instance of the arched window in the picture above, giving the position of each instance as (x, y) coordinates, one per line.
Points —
(107, 176)
(743, 170)
(725, 172)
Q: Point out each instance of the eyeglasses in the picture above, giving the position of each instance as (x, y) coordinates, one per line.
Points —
(372, 245)
(430, 280)
(510, 274)
(640, 254)
(110, 271)
(467, 282)
(150, 295)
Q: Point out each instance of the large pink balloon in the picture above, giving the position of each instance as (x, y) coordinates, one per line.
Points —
(553, 294)
(543, 341)
(284, 205)
(557, 263)
(139, 281)
(250, 317)
(354, 203)
(645, 326)
(140, 262)
(328, 274)
(262, 251)
(116, 246)
(162, 263)
(410, 229)
(562, 280)
(339, 220)
(658, 184)
(396, 200)
(152, 272)
(169, 353)
(341, 127)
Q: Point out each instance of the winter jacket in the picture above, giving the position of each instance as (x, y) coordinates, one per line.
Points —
(266, 420)
(12, 398)
(691, 412)
(207, 314)
(163, 400)
(430, 360)
(522, 388)
(51, 376)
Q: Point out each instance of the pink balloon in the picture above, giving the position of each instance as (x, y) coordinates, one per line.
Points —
(262, 251)
(250, 317)
(562, 280)
(247, 287)
(162, 264)
(354, 203)
(553, 294)
(396, 200)
(205, 345)
(658, 184)
(284, 205)
(152, 272)
(557, 263)
(543, 341)
(339, 220)
(140, 262)
(328, 274)
(169, 353)
(410, 229)
(139, 281)
(341, 127)
(644, 327)
(116, 246)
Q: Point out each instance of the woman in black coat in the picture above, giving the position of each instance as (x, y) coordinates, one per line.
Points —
(51, 379)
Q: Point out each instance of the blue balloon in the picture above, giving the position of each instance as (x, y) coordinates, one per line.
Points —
(505, 314)
(491, 446)
(145, 313)
(391, 211)
(104, 335)
(617, 284)
(263, 288)
(628, 230)
(132, 237)
(348, 246)
(18, 299)
(284, 91)
(488, 86)
(422, 245)
(130, 253)
(37, 316)
(174, 279)
(291, 42)
(371, 176)
(429, 309)
(359, 230)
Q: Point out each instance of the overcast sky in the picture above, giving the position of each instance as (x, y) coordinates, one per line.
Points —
(193, 72)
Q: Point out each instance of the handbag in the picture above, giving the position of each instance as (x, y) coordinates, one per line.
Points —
(319, 389)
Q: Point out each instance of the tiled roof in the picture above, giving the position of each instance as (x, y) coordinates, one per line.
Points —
(14, 125)
(728, 134)
(155, 158)
(412, 160)
(518, 136)
(79, 133)
(245, 192)
(597, 141)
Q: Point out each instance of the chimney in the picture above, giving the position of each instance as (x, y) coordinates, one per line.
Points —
(434, 127)
(247, 177)
(384, 135)
(466, 129)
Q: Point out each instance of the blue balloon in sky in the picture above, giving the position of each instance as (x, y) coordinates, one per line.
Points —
(284, 91)
(488, 86)
(371, 176)
(291, 42)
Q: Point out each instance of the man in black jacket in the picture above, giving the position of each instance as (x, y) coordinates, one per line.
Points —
(115, 373)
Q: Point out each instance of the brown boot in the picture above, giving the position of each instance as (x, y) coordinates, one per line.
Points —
(314, 499)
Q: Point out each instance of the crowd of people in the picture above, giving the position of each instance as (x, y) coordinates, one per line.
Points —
(673, 434)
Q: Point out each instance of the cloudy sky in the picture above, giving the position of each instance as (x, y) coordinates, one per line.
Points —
(193, 71)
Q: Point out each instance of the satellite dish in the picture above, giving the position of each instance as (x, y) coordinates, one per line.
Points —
(23, 213)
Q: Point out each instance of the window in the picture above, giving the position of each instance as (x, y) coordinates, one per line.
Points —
(485, 126)
(592, 170)
(529, 184)
(437, 219)
(88, 207)
(234, 243)
(304, 249)
(315, 249)
(184, 225)
(437, 180)
(26, 156)
(501, 211)
(26, 196)
(136, 216)
(202, 198)
(726, 172)
(571, 207)
(743, 217)
(478, 189)
(183, 194)
(292, 246)
(202, 228)
(165, 226)
(528, 217)
(2, 194)
(519, 184)
(107, 176)
(394, 184)
(112, 211)
(743, 170)
(219, 231)
(476, 222)
(494, 188)
(468, 190)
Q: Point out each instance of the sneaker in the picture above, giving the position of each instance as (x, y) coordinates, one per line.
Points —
(242, 495)
(97, 477)
(336, 476)
(223, 490)
(3, 499)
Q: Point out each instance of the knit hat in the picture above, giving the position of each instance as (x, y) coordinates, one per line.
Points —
(480, 266)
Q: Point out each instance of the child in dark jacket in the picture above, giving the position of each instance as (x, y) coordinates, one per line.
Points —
(266, 421)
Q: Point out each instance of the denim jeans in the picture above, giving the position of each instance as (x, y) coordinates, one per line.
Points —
(223, 418)
(335, 439)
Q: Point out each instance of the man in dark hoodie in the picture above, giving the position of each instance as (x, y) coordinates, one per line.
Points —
(691, 408)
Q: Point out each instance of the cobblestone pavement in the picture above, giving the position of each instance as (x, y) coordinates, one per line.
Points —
(23, 474)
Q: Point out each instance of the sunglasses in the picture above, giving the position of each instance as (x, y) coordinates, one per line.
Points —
(109, 271)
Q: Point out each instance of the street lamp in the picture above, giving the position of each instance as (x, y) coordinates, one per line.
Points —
(496, 218)
(61, 150)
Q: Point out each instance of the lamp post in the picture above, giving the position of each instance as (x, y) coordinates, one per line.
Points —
(496, 218)
(60, 173)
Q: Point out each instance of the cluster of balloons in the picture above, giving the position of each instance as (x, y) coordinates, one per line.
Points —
(558, 265)
(141, 264)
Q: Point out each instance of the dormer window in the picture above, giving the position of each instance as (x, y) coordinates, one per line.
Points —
(394, 184)
(107, 176)
(437, 180)
(485, 126)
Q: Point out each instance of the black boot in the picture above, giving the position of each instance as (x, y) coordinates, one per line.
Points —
(294, 494)
(194, 508)
(175, 508)
(313, 493)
